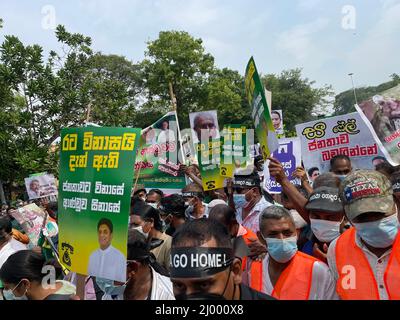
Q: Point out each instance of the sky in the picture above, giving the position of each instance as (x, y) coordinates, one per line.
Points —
(327, 38)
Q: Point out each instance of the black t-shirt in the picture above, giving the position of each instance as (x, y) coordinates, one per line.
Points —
(247, 293)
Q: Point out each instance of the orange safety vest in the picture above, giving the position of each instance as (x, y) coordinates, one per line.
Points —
(256, 267)
(352, 262)
(295, 281)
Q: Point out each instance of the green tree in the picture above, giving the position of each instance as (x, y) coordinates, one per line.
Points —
(176, 58)
(297, 97)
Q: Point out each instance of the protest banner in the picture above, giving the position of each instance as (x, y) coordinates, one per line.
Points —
(381, 114)
(160, 155)
(96, 179)
(348, 135)
(235, 148)
(289, 154)
(207, 143)
(31, 218)
(40, 185)
(264, 127)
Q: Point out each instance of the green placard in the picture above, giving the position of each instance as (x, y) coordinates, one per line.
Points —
(264, 127)
(158, 156)
(234, 149)
(96, 179)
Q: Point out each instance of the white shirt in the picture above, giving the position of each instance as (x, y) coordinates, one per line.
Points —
(161, 289)
(108, 264)
(252, 220)
(322, 283)
(166, 136)
(10, 248)
(378, 265)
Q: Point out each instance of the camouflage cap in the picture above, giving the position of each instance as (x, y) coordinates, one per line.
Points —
(366, 191)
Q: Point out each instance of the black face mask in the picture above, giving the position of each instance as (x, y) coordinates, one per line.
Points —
(205, 296)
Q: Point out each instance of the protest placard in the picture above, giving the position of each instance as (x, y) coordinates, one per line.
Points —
(348, 135)
(289, 154)
(207, 143)
(235, 148)
(31, 219)
(159, 156)
(264, 127)
(277, 120)
(40, 185)
(381, 114)
(96, 179)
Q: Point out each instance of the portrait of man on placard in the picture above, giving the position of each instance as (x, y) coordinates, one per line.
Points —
(204, 125)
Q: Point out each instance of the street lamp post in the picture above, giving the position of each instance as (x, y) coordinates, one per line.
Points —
(354, 88)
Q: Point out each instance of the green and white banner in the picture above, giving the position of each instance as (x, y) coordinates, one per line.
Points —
(159, 156)
(95, 187)
(260, 111)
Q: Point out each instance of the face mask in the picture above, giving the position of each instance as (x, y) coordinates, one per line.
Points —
(154, 205)
(379, 234)
(200, 296)
(9, 294)
(341, 177)
(239, 200)
(140, 229)
(108, 287)
(282, 251)
(326, 231)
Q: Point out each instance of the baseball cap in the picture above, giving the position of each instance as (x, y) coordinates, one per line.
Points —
(325, 199)
(246, 181)
(366, 191)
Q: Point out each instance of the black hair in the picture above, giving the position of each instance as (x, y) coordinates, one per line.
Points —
(106, 222)
(25, 264)
(138, 250)
(149, 213)
(138, 191)
(312, 170)
(395, 177)
(223, 213)
(137, 205)
(339, 157)
(174, 204)
(195, 233)
(156, 191)
(276, 112)
(5, 228)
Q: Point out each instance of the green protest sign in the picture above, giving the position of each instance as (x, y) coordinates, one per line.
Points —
(255, 94)
(94, 199)
(234, 149)
(207, 143)
(157, 160)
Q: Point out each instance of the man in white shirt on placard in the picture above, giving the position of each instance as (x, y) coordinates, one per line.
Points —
(107, 262)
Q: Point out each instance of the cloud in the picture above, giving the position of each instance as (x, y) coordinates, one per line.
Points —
(298, 41)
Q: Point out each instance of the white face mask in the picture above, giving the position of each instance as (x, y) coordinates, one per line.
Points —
(154, 205)
(140, 229)
(326, 231)
(9, 294)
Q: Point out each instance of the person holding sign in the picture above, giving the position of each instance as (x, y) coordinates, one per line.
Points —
(107, 262)
(204, 266)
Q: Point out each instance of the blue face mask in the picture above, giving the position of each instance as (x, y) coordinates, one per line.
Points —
(379, 234)
(9, 294)
(282, 251)
(341, 177)
(108, 287)
(239, 200)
